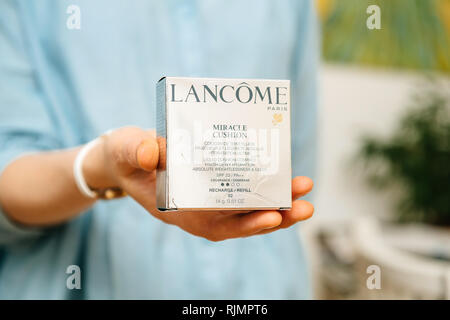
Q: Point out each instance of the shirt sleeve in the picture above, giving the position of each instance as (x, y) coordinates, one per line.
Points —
(304, 92)
(25, 120)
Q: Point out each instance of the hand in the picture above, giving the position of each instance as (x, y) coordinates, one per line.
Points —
(128, 158)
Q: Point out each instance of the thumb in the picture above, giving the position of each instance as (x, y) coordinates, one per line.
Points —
(147, 154)
(140, 150)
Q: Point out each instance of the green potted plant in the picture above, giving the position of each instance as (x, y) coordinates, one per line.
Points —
(417, 158)
(412, 246)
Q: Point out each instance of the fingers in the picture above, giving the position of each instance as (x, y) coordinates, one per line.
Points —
(301, 210)
(259, 220)
(236, 226)
(301, 186)
(262, 222)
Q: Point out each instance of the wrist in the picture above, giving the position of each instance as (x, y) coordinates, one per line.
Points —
(95, 169)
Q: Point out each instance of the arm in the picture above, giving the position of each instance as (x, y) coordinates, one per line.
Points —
(40, 190)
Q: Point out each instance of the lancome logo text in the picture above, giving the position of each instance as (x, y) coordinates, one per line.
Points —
(242, 93)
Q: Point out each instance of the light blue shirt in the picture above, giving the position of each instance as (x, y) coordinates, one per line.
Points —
(62, 87)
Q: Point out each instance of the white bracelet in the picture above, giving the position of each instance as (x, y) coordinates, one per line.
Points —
(78, 170)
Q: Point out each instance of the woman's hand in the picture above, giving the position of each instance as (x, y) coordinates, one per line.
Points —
(128, 157)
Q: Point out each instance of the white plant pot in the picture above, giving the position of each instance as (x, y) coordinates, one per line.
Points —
(405, 257)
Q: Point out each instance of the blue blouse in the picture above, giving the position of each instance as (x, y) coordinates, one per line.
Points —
(61, 87)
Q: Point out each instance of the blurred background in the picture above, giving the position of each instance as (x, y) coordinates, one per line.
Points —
(382, 194)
